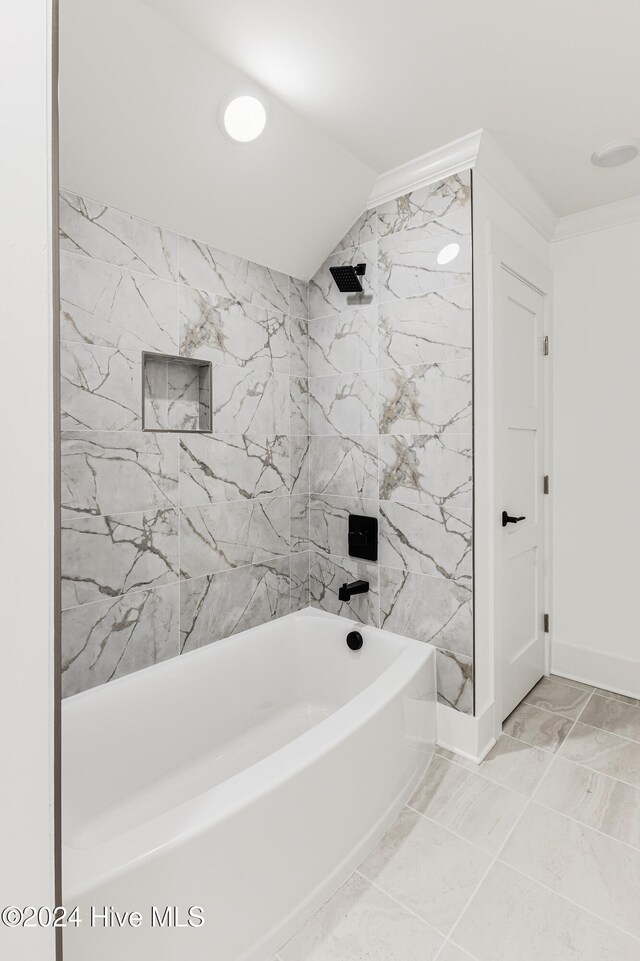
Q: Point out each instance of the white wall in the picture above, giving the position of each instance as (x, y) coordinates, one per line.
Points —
(26, 479)
(596, 357)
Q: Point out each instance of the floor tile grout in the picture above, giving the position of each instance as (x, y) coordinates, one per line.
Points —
(391, 897)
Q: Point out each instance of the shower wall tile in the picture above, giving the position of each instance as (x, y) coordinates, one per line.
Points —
(432, 210)
(342, 343)
(216, 537)
(109, 472)
(247, 401)
(173, 394)
(426, 469)
(227, 331)
(345, 465)
(299, 514)
(113, 307)
(100, 388)
(300, 463)
(229, 467)
(328, 573)
(299, 346)
(111, 638)
(329, 521)
(344, 404)
(299, 406)
(104, 233)
(324, 296)
(226, 275)
(362, 232)
(431, 398)
(426, 540)
(433, 609)
(223, 604)
(300, 581)
(104, 557)
(298, 298)
(455, 681)
(407, 265)
(427, 330)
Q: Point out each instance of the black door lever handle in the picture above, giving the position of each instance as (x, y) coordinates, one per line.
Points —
(507, 519)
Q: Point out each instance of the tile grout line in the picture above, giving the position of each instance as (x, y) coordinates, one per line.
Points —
(386, 894)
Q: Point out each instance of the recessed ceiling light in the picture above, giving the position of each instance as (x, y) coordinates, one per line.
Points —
(616, 153)
(448, 253)
(244, 118)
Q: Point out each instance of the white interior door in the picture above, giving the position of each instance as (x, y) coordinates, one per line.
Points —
(520, 553)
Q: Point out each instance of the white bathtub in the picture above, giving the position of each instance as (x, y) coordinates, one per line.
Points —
(248, 778)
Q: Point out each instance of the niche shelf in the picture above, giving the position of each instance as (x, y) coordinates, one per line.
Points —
(176, 394)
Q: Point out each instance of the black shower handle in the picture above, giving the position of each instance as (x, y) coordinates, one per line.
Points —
(507, 519)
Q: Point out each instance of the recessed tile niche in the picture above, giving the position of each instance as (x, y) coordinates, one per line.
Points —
(176, 393)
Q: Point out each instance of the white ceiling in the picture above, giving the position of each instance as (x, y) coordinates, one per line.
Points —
(389, 81)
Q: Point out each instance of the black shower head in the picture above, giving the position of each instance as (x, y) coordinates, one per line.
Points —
(347, 278)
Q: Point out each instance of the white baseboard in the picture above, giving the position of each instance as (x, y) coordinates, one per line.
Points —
(470, 737)
(617, 674)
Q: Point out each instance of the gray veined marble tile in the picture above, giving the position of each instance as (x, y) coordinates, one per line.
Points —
(427, 330)
(513, 764)
(216, 537)
(343, 343)
(173, 395)
(345, 465)
(433, 609)
(360, 922)
(601, 751)
(426, 540)
(110, 638)
(613, 716)
(329, 521)
(454, 674)
(440, 207)
(246, 401)
(343, 404)
(537, 727)
(427, 869)
(471, 806)
(511, 917)
(109, 472)
(408, 267)
(298, 298)
(324, 296)
(299, 347)
(559, 698)
(299, 514)
(99, 388)
(600, 802)
(594, 871)
(328, 573)
(300, 581)
(223, 604)
(229, 467)
(300, 460)
(113, 307)
(230, 276)
(426, 469)
(299, 406)
(118, 238)
(361, 232)
(227, 331)
(430, 398)
(103, 557)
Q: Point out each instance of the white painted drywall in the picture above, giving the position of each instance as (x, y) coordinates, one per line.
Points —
(596, 359)
(26, 479)
(138, 131)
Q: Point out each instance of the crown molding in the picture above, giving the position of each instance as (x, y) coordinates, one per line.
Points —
(619, 212)
(427, 169)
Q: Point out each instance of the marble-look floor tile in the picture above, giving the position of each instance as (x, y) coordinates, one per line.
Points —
(345, 404)
(426, 540)
(227, 331)
(299, 406)
(360, 923)
(439, 207)
(118, 238)
(613, 716)
(324, 296)
(298, 298)
(511, 918)
(226, 275)
(594, 871)
(326, 576)
(298, 347)
(557, 697)
(228, 467)
(344, 465)
(452, 953)
(511, 763)
(473, 807)
(427, 869)
(110, 638)
(431, 398)
(300, 581)
(594, 799)
(567, 680)
(223, 604)
(408, 267)
(99, 388)
(109, 472)
(624, 698)
(361, 232)
(604, 752)
(299, 465)
(300, 519)
(114, 307)
(216, 537)
(329, 521)
(454, 681)
(432, 609)
(537, 727)
(343, 343)
(426, 469)
(104, 557)
(247, 401)
(426, 330)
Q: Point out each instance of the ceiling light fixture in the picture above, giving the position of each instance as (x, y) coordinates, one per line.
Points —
(244, 118)
(616, 153)
(448, 253)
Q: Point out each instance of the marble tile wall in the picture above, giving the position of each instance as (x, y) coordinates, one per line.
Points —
(389, 397)
(172, 541)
